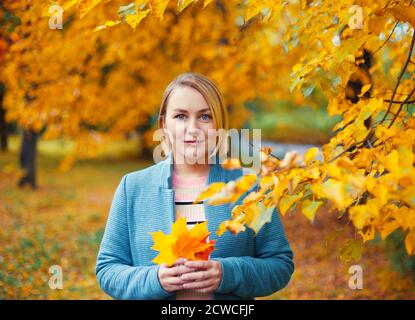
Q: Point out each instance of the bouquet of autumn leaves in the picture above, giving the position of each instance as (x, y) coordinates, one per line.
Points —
(182, 243)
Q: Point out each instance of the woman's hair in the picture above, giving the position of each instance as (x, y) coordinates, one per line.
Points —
(214, 98)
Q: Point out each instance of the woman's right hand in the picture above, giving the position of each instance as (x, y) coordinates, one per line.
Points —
(170, 277)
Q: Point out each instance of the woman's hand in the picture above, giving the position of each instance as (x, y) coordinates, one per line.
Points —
(170, 277)
(206, 278)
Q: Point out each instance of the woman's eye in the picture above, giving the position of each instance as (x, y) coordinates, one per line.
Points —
(205, 117)
(180, 117)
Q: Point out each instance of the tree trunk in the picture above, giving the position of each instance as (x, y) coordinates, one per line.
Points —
(28, 158)
(144, 152)
(3, 127)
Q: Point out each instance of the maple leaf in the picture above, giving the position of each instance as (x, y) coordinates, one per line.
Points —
(219, 192)
(158, 8)
(190, 244)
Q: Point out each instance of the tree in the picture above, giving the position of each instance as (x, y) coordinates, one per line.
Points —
(3, 129)
(7, 24)
(111, 81)
(28, 158)
(368, 169)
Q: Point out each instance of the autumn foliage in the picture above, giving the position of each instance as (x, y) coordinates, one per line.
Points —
(125, 50)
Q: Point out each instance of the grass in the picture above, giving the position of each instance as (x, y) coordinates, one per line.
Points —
(61, 223)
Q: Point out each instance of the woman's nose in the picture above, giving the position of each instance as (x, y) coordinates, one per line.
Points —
(192, 125)
(192, 128)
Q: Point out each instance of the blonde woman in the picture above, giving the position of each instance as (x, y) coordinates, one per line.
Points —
(242, 266)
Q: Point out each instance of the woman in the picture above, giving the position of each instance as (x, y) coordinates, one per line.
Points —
(242, 266)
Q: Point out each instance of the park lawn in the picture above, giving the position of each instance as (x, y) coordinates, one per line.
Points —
(62, 223)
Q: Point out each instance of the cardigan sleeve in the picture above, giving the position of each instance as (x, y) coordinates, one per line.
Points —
(267, 272)
(114, 270)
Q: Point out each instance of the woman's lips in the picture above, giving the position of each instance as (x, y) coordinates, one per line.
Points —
(192, 142)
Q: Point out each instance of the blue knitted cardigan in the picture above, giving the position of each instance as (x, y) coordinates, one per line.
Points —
(252, 266)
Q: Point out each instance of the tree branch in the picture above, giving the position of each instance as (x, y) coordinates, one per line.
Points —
(401, 106)
(400, 77)
(400, 102)
(390, 35)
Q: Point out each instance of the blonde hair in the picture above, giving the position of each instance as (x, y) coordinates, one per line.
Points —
(214, 98)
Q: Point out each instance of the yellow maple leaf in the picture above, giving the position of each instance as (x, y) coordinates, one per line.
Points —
(212, 189)
(219, 192)
(233, 226)
(387, 227)
(364, 214)
(399, 162)
(310, 155)
(134, 19)
(158, 7)
(404, 13)
(182, 4)
(190, 244)
(368, 233)
(107, 24)
(309, 208)
(287, 201)
(410, 242)
(333, 190)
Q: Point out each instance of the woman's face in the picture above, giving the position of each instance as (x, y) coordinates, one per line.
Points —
(188, 120)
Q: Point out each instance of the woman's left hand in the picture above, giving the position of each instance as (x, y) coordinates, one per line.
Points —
(206, 277)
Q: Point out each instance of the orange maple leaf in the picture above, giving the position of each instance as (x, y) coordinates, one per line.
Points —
(190, 244)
